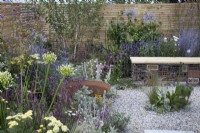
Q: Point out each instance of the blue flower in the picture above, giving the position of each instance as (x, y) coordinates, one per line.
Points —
(148, 18)
(131, 13)
(2, 16)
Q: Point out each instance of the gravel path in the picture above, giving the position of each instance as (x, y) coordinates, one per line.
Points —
(132, 103)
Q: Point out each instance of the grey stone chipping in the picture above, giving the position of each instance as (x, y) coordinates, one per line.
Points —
(132, 102)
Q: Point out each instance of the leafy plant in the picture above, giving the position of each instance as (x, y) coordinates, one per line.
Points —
(118, 120)
(180, 98)
(169, 100)
(71, 21)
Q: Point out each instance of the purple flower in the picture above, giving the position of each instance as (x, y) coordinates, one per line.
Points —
(43, 38)
(2, 16)
(131, 13)
(148, 18)
(188, 42)
(120, 55)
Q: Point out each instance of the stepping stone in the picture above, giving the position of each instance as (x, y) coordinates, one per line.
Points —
(166, 131)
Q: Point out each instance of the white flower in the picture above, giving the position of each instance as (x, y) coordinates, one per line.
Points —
(175, 38)
(73, 114)
(165, 39)
(188, 51)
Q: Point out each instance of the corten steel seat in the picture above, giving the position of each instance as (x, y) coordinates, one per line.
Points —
(97, 87)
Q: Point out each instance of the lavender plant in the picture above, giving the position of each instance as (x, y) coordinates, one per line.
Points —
(188, 42)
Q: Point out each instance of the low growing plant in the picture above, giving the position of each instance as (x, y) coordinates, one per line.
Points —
(170, 99)
(117, 120)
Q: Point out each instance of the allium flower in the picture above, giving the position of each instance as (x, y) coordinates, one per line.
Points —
(49, 57)
(148, 18)
(131, 13)
(66, 70)
(5, 79)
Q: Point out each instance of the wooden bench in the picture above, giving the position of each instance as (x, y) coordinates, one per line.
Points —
(167, 68)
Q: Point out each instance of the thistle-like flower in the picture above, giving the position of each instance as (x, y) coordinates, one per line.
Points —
(49, 57)
(66, 70)
(5, 79)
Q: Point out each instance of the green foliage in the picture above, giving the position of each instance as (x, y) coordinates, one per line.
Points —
(153, 96)
(168, 49)
(177, 99)
(72, 19)
(180, 98)
(117, 33)
(117, 120)
(121, 32)
(112, 93)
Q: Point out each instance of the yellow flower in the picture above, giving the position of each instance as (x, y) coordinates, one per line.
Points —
(12, 124)
(29, 113)
(9, 117)
(98, 97)
(35, 56)
(5, 79)
(66, 70)
(41, 126)
(39, 130)
(49, 131)
(64, 128)
(56, 129)
(49, 57)
(30, 62)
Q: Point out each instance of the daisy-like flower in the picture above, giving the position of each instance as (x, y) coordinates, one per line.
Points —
(49, 57)
(66, 70)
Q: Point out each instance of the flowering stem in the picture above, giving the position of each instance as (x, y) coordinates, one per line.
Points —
(22, 91)
(58, 88)
(45, 82)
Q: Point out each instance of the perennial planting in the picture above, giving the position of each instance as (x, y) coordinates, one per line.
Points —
(42, 73)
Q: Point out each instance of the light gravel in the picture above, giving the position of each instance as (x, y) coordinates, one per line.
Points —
(132, 102)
